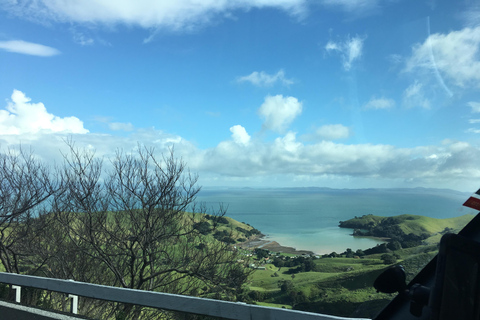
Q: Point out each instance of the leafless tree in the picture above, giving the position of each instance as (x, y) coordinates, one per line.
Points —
(26, 187)
(136, 222)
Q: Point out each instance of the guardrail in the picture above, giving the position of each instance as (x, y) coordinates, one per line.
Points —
(159, 300)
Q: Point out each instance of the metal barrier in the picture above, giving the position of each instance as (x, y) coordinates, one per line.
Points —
(166, 301)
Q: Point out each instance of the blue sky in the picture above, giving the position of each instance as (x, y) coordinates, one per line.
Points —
(259, 93)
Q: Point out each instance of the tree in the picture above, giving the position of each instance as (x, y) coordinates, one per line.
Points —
(261, 253)
(360, 253)
(132, 222)
(349, 253)
(26, 184)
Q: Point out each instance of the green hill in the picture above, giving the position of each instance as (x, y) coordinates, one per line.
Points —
(405, 226)
(342, 285)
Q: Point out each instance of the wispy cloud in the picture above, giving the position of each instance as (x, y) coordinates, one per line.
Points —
(350, 50)
(171, 15)
(29, 48)
(475, 106)
(472, 130)
(379, 103)
(120, 126)
(353, 6)
(263, 79)
(454, 56)
(82, 39)
(414, 96)
(333, 132)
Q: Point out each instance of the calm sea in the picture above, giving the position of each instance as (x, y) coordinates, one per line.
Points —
(307, 218)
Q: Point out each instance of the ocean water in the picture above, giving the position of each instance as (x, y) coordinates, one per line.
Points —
(307, 218)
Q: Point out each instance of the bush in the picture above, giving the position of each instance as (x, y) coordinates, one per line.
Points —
(388, 258)
(202, 227)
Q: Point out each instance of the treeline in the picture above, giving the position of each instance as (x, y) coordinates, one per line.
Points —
(129, 220)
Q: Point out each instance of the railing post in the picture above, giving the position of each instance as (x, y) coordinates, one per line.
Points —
(18, 291)
(74, 305)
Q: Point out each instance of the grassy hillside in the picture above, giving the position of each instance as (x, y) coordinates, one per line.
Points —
(338, 286)
(405, 224)
(342, 284)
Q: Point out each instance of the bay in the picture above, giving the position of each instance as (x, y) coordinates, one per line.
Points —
(307, 218)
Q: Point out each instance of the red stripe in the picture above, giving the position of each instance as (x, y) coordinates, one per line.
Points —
(473, 203)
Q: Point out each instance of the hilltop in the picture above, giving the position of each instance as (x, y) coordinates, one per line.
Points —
(407, 229)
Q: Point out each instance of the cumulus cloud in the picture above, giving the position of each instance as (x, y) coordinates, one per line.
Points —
(453, 163)
(285, 159)
(279, 112)
(263, 79)
(21, 116)
(240, 135)
(29, 48)
(475, 106)
(287, 143)
(455, 56)
(448, 163)
(173, 15)
(379, 103)
(414, 96)
(350, 50)
(333, 132)
(120, 126)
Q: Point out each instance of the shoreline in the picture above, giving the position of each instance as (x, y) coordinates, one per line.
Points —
(262, 241)
(271, 245)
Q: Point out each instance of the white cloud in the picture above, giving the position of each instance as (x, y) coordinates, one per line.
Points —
(241, 159)
(354, 6)
(455, 56)
(263, 79)
(287, 143)
(471, 16)
(21, 117)
(82, 39)
(279, 111)
(333, 132)
(379, 103)
(30, 48)
(120, 126)
(286, 160)
(413, 96)
(173, 15)
(240, 135)
(472, 130)
(472, 121)
(475, 106)
(350, 50)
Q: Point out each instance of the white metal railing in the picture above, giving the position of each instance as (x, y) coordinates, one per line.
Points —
(166, 301)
